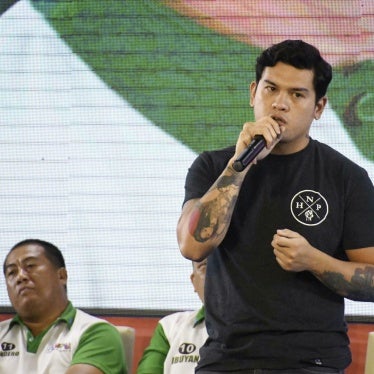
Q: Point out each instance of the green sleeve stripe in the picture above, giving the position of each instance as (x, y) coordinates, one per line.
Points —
(152, 361)
(101, 346)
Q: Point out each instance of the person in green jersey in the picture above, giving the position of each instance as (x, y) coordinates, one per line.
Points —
(175, 344)
(47, 334)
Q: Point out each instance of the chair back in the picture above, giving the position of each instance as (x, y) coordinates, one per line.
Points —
(128, 339)
(369, 365)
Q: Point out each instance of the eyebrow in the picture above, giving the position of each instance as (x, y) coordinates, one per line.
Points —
(302, 89)
(22, 261)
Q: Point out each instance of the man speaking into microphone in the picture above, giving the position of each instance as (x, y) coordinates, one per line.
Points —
(287, 224)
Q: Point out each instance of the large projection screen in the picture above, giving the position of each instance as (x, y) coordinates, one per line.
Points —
(105, 104)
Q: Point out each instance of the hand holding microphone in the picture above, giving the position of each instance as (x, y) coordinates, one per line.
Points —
(257, 144)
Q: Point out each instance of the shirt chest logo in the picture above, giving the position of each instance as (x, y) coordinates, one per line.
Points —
(309, 207)
(8, 350)
(188, 354)
(60, 347)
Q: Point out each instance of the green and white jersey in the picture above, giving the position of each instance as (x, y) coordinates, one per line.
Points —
(74, 338)
(175, 344)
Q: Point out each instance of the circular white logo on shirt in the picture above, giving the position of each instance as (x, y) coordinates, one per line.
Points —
(309, 207)
(187, 348)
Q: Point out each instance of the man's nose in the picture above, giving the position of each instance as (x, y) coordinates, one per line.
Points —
(21, 275)
(280, 103)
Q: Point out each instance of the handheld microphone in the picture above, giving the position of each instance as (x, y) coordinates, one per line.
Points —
(257, 144)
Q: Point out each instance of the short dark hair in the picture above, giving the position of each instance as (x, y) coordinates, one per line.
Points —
(300, 55)
(52, 253)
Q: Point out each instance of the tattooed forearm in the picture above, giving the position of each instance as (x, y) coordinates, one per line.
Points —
(226, 181)
(211, 217)
(360, 287)
(207, 223)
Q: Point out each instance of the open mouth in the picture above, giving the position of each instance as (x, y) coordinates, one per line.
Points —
(280, 120)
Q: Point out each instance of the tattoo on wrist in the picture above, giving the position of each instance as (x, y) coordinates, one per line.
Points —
(360, 287)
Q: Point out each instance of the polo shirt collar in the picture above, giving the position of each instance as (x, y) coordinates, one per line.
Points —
(200, 316)
(66, 316)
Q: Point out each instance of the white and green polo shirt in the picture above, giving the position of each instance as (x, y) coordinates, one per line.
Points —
(74, 338)
(175, 344)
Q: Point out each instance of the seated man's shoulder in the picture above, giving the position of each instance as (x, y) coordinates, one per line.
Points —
(4, 326)
(82, 316)
(5, 323)
(85, 321)
(179, 318)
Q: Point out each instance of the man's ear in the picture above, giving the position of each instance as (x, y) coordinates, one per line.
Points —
(192, 277)
(320, 106)
(63, 275)
(252, 92)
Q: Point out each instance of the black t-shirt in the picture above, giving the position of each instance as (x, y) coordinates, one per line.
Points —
(257, 314)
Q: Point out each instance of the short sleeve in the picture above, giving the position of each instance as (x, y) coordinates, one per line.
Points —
(101, 346)
(359, 212)
(204, 171)
(152, 361)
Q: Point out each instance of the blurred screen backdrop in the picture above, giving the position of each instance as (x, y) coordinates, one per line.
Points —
(105, 104)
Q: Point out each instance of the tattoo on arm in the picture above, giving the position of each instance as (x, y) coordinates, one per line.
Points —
(212, 218)
(359, 288)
